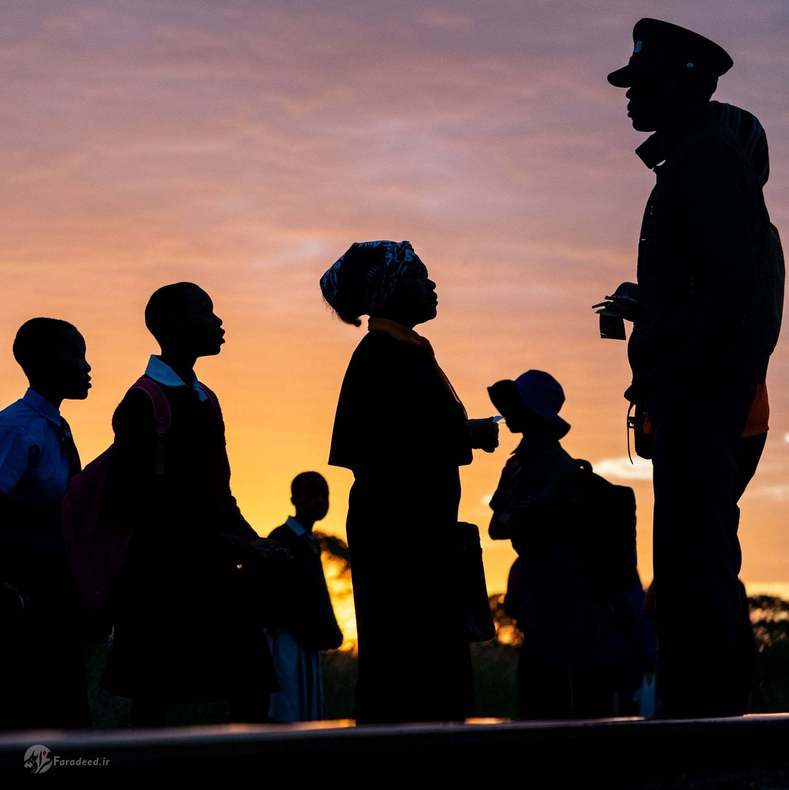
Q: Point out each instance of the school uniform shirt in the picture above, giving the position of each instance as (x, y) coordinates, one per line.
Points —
(42, 682)
(35, 456)
(163, 374)
(37, 459)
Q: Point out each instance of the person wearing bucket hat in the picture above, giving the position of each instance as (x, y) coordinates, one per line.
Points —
(574, 533)
(534, 399)
(706, 319)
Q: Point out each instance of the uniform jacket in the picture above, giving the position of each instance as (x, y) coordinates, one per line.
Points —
(706, 282)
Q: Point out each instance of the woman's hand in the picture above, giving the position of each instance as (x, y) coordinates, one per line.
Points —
(484, 434)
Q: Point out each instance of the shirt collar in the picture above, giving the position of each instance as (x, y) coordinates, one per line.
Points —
(163, 374)
(653, 150)
(42, 406)
(296, 526)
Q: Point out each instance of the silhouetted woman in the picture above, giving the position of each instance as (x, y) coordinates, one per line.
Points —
(402, 430)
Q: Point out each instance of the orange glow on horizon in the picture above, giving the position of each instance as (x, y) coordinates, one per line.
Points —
(245, 146)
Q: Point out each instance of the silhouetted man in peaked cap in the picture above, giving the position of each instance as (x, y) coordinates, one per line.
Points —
(706, 319)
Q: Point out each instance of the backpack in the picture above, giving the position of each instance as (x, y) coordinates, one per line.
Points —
(605, 514)
(608, 515)
(97, 543)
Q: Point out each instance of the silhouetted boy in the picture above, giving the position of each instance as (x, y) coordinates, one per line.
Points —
(575, 537)
(41, 670)
(307, 623)
(188, 628)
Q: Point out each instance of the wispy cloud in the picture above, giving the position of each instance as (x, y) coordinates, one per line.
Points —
(778, 492)
(623, 469)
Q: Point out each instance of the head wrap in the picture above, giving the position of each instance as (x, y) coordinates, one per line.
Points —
(386, 261)
(751, 136)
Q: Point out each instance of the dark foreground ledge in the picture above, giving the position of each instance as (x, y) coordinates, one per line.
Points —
(749, 752)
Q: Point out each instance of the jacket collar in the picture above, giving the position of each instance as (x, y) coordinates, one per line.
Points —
(659, 147)
(653, 150)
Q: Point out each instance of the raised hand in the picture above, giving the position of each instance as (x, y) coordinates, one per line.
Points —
(484, 434)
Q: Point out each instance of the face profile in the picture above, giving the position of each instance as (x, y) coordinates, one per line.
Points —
(648, 103)
(202, 325)
(414, 300)
(181, 317)
(71, 368)
(51, 352)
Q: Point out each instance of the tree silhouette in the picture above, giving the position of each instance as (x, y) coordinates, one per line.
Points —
(335, 547)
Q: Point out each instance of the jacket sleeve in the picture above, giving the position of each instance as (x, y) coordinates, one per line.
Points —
(230, 516)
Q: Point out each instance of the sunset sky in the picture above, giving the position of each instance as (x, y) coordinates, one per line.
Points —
(245, 145)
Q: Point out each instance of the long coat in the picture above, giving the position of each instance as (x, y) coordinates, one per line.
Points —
(402, 433)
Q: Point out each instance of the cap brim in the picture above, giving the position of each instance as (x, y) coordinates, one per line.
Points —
(621, 78)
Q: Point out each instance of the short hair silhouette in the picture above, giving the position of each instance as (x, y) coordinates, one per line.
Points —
(305, 480)
(165, 305)
(39, 338)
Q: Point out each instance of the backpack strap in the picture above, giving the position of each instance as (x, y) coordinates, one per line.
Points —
(162, 416)
(162, 413)
(212, 397)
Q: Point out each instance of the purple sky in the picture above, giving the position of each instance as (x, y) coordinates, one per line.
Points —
(245, 145)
